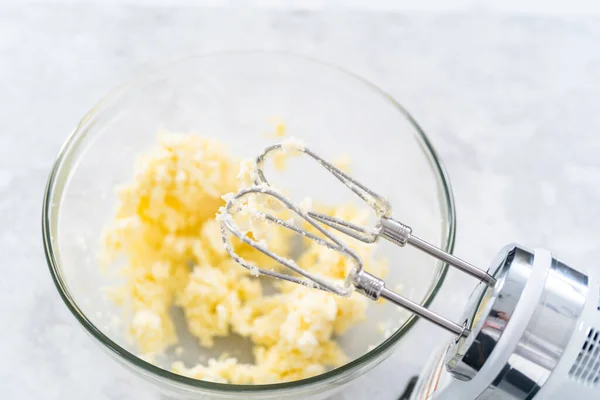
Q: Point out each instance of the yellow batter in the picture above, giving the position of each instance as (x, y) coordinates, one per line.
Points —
(166, 233)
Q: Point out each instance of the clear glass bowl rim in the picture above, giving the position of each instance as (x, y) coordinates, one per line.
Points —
(79, 134)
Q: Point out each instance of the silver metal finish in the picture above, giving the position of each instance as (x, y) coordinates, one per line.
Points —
(388, 228)
(374, 288)
(454, 261)
(546, 335)
(375, 201)
(369, 285)
(365, 283)
(450, 326)
(544, 339)
(487, 312)
(229, 226)
(401, 234)
(394, 231)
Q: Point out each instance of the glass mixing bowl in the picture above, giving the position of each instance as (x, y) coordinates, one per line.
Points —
(236, 97)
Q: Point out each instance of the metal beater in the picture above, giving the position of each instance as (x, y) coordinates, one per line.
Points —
(387, 227)
(531, 327)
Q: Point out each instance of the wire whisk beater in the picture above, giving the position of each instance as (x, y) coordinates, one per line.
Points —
(357, 279)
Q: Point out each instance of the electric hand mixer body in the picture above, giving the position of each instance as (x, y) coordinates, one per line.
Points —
(534, 334)
(531, 329)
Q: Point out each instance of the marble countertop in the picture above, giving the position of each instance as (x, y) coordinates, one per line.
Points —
(510, 102)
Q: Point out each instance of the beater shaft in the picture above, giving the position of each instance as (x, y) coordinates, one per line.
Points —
(425, 313)
(374, 288)
(452, 260)
(401, 234)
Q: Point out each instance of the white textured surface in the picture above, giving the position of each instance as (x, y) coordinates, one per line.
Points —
(511, 103)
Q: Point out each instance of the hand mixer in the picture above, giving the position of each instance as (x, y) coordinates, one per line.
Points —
(531, 327)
